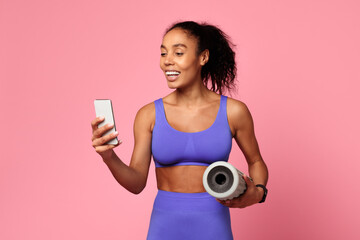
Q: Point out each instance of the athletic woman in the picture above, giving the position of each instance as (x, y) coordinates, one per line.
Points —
(185, 132)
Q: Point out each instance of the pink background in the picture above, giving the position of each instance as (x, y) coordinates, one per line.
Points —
(298, 73)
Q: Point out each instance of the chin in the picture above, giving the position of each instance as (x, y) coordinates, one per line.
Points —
(171, 85)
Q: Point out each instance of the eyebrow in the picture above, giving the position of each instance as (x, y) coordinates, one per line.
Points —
(175, 45)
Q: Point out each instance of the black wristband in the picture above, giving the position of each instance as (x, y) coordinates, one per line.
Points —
(265, 192)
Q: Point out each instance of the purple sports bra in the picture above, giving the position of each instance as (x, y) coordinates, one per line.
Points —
(171, 147)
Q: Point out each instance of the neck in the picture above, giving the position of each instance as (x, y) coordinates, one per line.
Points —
(192, 95)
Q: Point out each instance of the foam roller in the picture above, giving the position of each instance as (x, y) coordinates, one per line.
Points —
(223, 181)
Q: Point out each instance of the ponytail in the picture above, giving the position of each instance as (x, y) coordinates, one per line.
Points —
(221, 67)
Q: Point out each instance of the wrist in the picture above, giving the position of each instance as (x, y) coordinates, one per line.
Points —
(263, 192)
(260, 193)
(109, 156)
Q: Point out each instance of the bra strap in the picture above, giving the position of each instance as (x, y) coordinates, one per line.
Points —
(223, 112)
(159, 113)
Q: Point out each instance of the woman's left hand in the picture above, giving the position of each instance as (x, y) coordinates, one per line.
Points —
(251, 196)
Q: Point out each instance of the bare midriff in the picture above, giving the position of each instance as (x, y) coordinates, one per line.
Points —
(186, 179)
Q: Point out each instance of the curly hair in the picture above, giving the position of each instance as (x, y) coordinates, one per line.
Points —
(221, 67)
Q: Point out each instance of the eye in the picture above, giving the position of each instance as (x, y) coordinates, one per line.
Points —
(179, 54)
(163, 54)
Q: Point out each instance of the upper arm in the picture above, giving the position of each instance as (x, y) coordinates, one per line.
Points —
(242, 127)
(143, 124)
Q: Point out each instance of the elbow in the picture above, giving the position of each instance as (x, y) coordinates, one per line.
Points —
(135, 183)
(136, 189)
(136, 192)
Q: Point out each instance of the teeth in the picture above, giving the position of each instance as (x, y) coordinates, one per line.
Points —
(172, 73)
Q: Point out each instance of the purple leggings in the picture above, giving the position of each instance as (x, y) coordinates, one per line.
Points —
(187, 216)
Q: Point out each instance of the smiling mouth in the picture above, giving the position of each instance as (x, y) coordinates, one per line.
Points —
(172, 73)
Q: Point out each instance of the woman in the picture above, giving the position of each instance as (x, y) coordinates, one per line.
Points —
(185, 132)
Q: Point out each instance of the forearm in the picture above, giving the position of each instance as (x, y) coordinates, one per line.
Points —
(258, 172)
(126, 176)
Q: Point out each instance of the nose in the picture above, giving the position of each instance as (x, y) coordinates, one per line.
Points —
(168, 60)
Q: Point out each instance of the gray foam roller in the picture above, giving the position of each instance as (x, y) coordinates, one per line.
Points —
(223, 181)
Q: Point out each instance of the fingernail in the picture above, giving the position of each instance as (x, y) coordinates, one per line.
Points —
(110, 125)
(116, 133)
(120, 141)
(101, 117)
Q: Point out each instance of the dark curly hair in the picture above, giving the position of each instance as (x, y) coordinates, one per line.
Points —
(221, 67)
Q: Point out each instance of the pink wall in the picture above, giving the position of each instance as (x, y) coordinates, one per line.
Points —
(298, 73)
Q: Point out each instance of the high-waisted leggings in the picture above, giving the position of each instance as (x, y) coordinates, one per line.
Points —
(187, 216)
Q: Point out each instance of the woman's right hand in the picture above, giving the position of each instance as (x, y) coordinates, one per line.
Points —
(99, 141)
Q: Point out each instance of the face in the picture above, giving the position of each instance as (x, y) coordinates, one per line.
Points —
(179, 59)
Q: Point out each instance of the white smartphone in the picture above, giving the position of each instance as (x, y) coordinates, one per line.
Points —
(103, 107)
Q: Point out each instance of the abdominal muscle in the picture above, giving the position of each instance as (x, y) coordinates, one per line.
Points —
(185, 179)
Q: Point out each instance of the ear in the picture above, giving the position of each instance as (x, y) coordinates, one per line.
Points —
(204, 57)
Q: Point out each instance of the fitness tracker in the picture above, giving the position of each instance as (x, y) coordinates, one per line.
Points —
(265, 192)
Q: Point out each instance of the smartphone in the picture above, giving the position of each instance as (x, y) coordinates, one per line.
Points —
(103, 107)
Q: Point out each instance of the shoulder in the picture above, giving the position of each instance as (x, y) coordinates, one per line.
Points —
(236, 108)
(146, 116)
(238, 114)
(147, 109)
